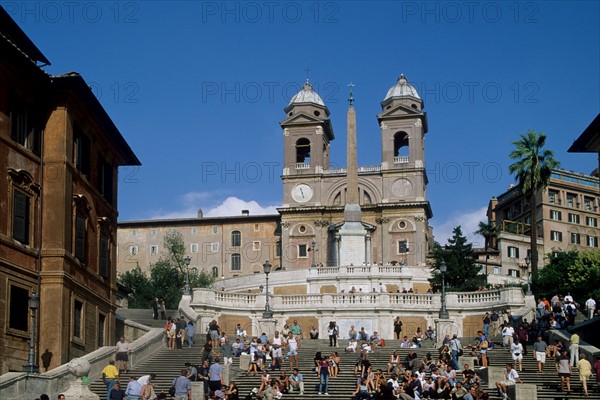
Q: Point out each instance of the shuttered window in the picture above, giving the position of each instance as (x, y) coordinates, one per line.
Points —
(20, 228)
(80, 238)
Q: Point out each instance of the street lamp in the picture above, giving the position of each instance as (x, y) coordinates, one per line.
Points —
(527, 262)
(187, 262)
(34, 304)
(443, 311)
(267, 313)
(312, 249)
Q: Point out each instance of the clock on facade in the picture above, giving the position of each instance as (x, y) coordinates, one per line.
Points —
(302, 193)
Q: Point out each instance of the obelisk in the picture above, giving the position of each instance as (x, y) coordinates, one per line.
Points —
(352, 232)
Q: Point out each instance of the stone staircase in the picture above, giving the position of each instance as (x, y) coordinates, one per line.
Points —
(167, 364)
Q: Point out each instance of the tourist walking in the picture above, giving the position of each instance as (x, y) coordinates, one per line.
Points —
(183, 386)
(564, 369)
(590, 307)
(574, 349)
(122, 351)
(539, 353)
(110, 375)
(585, 372)
(486, 324)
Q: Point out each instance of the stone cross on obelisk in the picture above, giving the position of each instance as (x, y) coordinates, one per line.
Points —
(352, 233)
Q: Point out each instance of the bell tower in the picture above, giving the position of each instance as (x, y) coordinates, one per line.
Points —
(307, 134)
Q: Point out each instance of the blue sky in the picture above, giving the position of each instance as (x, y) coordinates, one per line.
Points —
(198, 89)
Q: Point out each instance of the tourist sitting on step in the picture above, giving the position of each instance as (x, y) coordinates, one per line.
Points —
(334, 364)
(375, 340)
(418, 337)
(405, 344)
(366, 347)
(363, 335)
(469, 377)
(352, 334)
(362, 390)
(317, 361)
(377, 380)
(442, 387)
(394, 362)
(283, 382)
(232, 392)
(239, 331)
(511, 377)
(352, 346)
(297, 382)
(458, 392)
(429, 389)
(265, 380)
(314, 333)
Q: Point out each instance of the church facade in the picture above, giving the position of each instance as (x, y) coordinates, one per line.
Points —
(392, 198)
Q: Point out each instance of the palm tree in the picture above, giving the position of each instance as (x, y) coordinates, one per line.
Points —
(532, 169)
(489, 231)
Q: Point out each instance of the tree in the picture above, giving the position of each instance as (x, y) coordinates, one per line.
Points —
(570, 271)
(532, 169)
(489, 231)
(463, 273)
(167, 277)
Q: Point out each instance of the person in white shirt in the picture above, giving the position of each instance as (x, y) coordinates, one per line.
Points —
(569, 298)
(590, 306)
(511, 378)
(507, 335)
(517, 353)
(276, 343)
(145, 379)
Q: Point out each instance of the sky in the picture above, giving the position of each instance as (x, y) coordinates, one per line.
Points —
(198, 89)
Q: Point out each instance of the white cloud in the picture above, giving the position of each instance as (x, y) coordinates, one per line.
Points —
(231, 206)
(234, 206)
(468, 221)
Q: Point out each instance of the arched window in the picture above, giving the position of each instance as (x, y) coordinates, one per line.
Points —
(236, 238)
(303, 151)
(215, 272)
(401, 144)
(236, 262)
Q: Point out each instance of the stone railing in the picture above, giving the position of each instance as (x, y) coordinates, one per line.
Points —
(24, 386)
(207, 299)
(359, 270)
(401, 159)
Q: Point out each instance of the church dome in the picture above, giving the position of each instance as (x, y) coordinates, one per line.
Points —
(307, 95)
(402, 89)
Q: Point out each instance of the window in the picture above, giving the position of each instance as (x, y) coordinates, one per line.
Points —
(194, 231)
(20, 227)
(513, 252)
(402, 246)
(133, 250)
(152, 232)
(236, 262)
(571, 200)
(592, 241)
(497, 270)
(105, 179)
(556, 236)
(80, 238)
(236, 239)
(591, 221)
(256, 245)
(194, 247)
(133, 232)
(104, 257)
(154, 250)
(256, 227)
(575, 238)
(302, 251)
(215, 229)
(214, 247)
(18, 314)
(553, 197)
(24, 124)
(101, 329)
(278, 248)
(514, 273)
(81, 146)
(555, 215)
(215, 272)
(78, 319)
(574, 218)
(587, 203)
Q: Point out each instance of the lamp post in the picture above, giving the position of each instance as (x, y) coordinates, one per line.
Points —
(187, 262)
(527, 262)
(443, 311)
(34, 304)
(267, 313)
(312, 249)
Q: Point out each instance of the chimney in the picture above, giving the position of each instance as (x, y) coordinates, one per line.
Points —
(246, 212)
(200, 213)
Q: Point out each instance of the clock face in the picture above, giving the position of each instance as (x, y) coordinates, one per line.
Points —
(402, 188)
(302, 193)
